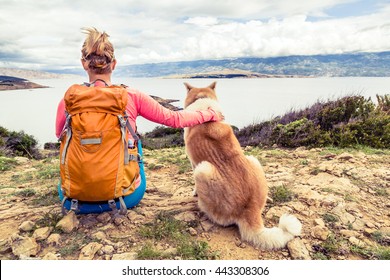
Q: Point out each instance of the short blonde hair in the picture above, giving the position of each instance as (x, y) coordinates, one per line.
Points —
(97, 50)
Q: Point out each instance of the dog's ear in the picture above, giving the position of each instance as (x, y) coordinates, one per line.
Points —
(188, 86)
(212, 86)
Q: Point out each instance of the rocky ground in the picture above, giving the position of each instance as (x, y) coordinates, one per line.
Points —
(340, 196)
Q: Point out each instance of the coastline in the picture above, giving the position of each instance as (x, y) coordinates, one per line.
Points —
(14, 83)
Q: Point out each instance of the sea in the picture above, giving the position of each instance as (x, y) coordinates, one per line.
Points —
(243, 101)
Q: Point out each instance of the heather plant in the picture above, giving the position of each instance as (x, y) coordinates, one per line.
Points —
(345, 122)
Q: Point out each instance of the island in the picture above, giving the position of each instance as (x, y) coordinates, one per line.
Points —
(229, 74)
(13, 83)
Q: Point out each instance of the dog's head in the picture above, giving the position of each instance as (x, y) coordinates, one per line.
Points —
(194, 93)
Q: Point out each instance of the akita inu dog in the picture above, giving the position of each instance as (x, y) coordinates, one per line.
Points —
(230, 186)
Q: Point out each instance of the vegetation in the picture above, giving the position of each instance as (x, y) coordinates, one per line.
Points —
(346, 122)
(173, 232)
(14, 143)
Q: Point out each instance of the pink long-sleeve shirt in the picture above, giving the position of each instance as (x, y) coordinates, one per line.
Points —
(141, 104)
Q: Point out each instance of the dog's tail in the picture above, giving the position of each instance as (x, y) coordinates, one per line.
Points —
(272, 238)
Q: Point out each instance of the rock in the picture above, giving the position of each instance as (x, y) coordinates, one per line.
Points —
(331, 200)
(277, 212)
(346, 218)
(370, 225)
(50, 256)
(21, 160)
(120, 220)
(125, 256)
(89, 221)
(187, 216)
(100, 235)
(348, 233)
(319, 222)
(320, 232)
(68, 223)
(354, 241)
(88, 251)
(298, 250)
(206, 225)
(23, 247)
(134, 217)
(42, 233)
(192, 231)
(104, 217)
(170, 252)
(297, 206)
(54, 239)
(26, 226)
(5, 246)
(345, 157)
(108, 250)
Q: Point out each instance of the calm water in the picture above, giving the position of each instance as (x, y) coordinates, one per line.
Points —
(244, 101)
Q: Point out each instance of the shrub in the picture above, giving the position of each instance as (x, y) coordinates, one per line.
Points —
(18, 144)
(345, 122)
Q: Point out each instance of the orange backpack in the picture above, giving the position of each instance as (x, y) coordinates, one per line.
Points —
(98, 160)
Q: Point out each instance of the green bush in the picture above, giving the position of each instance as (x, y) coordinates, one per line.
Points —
(18, 143)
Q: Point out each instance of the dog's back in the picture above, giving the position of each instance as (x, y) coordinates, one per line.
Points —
(231, 187)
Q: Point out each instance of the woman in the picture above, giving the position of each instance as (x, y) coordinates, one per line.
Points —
(98, 61)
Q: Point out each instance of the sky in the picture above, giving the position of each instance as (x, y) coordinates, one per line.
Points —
(47, 35)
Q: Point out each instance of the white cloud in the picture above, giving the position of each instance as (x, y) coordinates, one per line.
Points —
(47, 34)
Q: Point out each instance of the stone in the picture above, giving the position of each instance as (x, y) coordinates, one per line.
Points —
(50, 256)
(23, 247)
(320, 232)
(100, 235)
(88, 251)
(187, 216)
(192, 231)
(370, 225)
(348, 233)
(319, 222)
(104, 217)
(68, 223)
(54, 239)
(125, 256)
(26, 226)
(42, 233)
(21, 160)
(206, 225)
(354, 241)
(5, 246)
(298, 250)
(345, 157)
(108, 249)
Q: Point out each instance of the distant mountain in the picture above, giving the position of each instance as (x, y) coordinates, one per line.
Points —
(336, 65)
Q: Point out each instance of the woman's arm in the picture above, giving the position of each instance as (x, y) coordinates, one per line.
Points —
(60, 118)
(150, 109)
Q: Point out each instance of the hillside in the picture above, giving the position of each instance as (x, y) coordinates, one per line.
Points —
(337, 65)
(331, 65)
(340, 196)
(13, 83)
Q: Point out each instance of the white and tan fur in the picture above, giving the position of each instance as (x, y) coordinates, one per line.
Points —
(231, 187)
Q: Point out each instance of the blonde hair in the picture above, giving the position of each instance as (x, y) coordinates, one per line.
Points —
(97, 50)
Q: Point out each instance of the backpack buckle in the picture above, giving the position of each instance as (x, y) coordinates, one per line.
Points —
(74, 205)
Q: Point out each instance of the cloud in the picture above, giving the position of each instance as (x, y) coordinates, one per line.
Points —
(46, 34)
